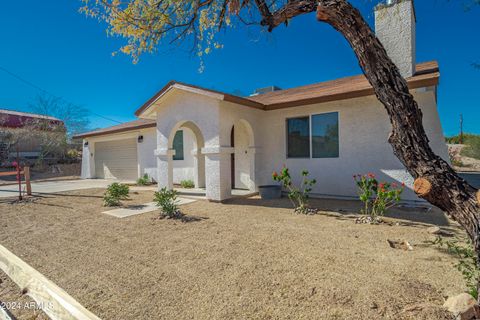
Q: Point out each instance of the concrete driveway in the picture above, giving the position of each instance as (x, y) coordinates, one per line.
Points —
(55, 186)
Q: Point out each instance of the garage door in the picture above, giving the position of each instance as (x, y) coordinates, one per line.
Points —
(116, 159)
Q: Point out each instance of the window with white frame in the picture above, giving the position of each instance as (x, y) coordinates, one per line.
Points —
(314, 136)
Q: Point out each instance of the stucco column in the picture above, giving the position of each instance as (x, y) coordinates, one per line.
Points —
(217, 172)
(88, 160)
(251, 156)
(198, 168)
(165, 167)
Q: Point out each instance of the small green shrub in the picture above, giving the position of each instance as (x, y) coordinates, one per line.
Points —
(467, 261)
(115, 192)
(187, 184)
(377, 197)
(166, 200)
(299, 196)
(144, 181)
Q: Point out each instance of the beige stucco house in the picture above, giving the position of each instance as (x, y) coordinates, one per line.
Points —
(334, 129)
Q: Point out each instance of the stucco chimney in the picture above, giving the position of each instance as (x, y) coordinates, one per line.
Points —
(395, 26)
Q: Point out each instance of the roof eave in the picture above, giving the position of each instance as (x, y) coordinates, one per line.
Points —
(413, 83)
(198, 90)
(120, 130)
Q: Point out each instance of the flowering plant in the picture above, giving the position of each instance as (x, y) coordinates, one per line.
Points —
(377, 197)
(298, 195)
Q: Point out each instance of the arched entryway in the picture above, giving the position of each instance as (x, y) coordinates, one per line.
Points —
(242, 161)
(188, 162)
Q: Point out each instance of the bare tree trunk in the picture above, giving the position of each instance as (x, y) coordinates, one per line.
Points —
(435, 181)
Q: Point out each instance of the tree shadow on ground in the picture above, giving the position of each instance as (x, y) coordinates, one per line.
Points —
(349, 209)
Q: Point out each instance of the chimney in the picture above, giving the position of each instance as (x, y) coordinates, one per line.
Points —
(395, 26)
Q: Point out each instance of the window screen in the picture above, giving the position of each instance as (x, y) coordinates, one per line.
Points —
(298, 138)
(325, 135)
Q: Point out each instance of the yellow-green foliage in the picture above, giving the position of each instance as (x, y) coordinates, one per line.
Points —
(145, 23)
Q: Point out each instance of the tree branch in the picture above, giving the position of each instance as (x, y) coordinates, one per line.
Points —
(288, 11)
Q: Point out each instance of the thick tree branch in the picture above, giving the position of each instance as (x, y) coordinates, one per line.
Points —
(290, 10)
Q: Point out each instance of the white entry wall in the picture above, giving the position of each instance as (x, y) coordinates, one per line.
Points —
(185, 169)
(242, 157)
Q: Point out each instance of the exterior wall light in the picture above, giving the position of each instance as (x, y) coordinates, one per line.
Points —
(140, 139)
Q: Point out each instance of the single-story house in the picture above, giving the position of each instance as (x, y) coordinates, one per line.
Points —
(334, 129)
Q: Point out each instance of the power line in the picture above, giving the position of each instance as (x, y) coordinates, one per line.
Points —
(16, 76)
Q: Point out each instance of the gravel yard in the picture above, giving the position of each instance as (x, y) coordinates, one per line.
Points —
(245, 259)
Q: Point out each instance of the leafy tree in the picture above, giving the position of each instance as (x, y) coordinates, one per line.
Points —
(146, 23)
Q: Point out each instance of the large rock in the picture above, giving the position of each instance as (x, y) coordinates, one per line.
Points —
(434, 230)
(463, 306)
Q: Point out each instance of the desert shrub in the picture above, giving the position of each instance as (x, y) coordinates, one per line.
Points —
(72, 154)
(467, 261)
(187, 184)
(377, 197)
(144, 181)
(455, 158)
(471, 142)
(299, 196)
(167, 201)
(115, 192)
(472, 148)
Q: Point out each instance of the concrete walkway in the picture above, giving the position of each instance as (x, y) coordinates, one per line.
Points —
(143, 208)
(55, 186)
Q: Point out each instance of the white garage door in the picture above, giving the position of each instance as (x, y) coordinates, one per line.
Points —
(116, 159)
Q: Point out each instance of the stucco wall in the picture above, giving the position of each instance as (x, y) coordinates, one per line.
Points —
(363, 132)
(146, 159)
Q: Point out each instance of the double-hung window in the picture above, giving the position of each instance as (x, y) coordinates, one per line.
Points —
(314, 136)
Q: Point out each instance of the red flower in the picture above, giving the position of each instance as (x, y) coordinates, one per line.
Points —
(371, 175)
(275, 174)
(403, 184)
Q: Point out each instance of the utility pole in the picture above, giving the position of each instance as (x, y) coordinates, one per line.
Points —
(461, 129)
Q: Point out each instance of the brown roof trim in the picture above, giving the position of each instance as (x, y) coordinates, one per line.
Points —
(340, 89)
(426, 80)
(125, 127)
(226, 97)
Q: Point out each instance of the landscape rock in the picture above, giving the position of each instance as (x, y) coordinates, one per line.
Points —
(368, 220)
(463, 306)
(405, 245)
(434, 230)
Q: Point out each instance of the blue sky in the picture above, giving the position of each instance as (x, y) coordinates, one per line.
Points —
(53, 46)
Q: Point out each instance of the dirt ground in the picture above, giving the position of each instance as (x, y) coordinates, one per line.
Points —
(246, 259)
(19, 306)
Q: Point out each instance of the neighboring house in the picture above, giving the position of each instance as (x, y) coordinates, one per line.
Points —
(15, 122)
(333, 129)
